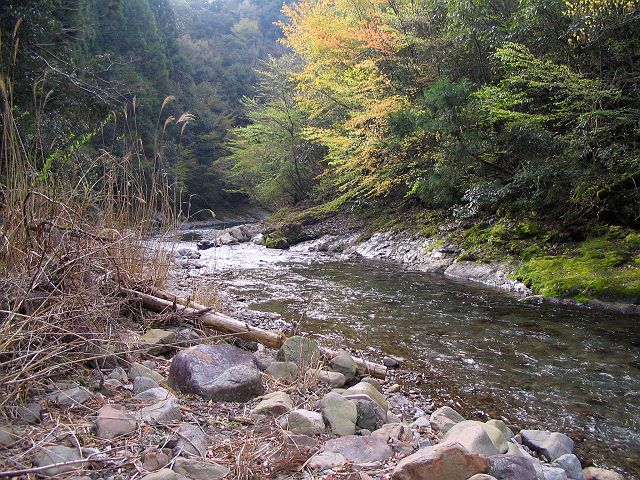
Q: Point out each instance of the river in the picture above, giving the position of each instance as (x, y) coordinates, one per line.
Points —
(479, 350)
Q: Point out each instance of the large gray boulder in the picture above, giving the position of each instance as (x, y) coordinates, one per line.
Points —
(571, 465)
(344, 364)
(302, 351)
(366, 391)
(554, 473)
(444, 418)
(511, 467)
(222, 373)
(445, 461)
(360, 450)
(370, 416)
(473, 436)
(551, 445)
(340, 413)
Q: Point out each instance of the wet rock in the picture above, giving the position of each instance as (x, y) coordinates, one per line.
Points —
(473, 437)
(360, 449)
(114, 421)
(139, 370)
(153, 395)
(364, 390)
(571, 465)
(163, 411)
(154, 459)
(391, 362)
(511, 467)
(370, 415)
(276, 404)
(554, 473)
(157, 341)
(191, 439)
(440, 462)
(444, 418)
(58, 454)
(340, 413)
(326, 460)
(30, 413)
(205, 245)
(305, 422)
(71, 397)
(195, 470)
(333, 379)
(344, 364)
(551, 445)
(119, 374)
(593, 473)
(302, 351)
(216, 372)
(282, 370)
(164, 474)
(142, 384)
(8, 436)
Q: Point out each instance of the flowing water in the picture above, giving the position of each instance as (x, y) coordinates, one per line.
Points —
(537, 366)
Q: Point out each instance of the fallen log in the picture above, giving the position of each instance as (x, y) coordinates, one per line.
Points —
(159, 300)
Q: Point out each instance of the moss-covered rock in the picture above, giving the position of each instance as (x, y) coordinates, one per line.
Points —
(278, 242)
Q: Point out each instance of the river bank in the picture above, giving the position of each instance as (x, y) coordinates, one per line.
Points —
(477, 352)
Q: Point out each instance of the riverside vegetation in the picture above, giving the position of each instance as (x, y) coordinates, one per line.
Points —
(507, 129)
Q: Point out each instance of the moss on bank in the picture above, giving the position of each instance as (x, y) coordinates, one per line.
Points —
(593, 261)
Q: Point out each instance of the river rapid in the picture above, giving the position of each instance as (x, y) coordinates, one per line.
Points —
(482, 351)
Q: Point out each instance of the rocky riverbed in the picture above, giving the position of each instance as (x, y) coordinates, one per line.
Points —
(215, 410)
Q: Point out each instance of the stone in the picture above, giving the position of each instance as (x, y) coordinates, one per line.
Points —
(593, 473)
(282, 370)
(142, 384)
(186, 337)
(302, 351)
(276, 404)
(500, 425)
(496, 436)
(393, 418)
(395, 388)
(164, 474)
(7, 436)
(153, 394)
(119, 374)
(188, 253)
(264, 360)
(422, 423)
(551, 445)
(191, 439)
(301, 442)
(114, 421)
(444, 418)
(373, 381)
(360, 450)
(511, 467)
(72, 397)
(517, 449)
(343, 363)
(571, 465)
(391, 362)
(157, 341)
(364, 390)
(154, 459)
(305, 422)
(444, 461)
(340, 413)
(138, 370)
(58, 454)
(326, 460)
(554, 473)
(395, 431)
(473, 437)
(196, 470)
(30, 413)
(482, 476)
(370, 415)
(333, 379)
(163, 411)
(221, 372)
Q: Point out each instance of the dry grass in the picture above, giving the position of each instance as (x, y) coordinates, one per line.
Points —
(72, 233)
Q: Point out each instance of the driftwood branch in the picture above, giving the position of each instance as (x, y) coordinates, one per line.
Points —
(159, 301)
